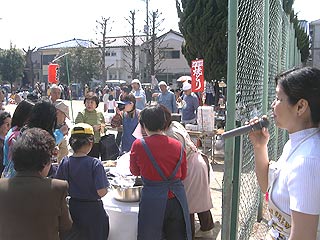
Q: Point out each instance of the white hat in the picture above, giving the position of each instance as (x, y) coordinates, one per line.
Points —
(60, 105)
(162, 83)
(186, 86)
(55, 86)
(136, 81)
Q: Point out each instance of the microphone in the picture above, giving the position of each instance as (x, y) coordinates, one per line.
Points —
(263, 122)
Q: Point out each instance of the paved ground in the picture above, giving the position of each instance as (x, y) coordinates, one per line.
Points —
(215, 179)
(216, 195)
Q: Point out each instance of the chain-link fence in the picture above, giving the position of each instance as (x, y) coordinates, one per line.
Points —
(258, 60)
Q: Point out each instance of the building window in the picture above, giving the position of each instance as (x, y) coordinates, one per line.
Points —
(46, 59)
(112, 54)
(175, 54)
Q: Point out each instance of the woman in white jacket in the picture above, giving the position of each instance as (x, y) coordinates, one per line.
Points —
(293, 181)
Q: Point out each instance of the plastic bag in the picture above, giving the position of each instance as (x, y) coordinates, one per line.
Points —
(108, 147)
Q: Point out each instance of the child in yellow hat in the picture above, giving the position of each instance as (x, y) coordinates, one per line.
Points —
(87, 184)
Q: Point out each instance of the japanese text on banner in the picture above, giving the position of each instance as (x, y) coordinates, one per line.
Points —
(197, 75)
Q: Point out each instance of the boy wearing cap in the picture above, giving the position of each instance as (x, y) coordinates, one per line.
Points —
(87, 185)
(189, 109)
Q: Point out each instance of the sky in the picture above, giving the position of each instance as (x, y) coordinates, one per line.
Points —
(37, 23)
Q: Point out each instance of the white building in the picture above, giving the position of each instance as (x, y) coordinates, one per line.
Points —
(172, 63)
(118, 57)
(314, 28)
(170, 67)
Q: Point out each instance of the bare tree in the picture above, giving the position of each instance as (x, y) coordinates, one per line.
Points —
(156, 56)
(130, 51)
(102, 29)
(28, 70)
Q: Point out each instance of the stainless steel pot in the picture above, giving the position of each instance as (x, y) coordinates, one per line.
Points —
(128, 194)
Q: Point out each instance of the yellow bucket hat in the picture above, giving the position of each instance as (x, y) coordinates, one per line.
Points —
(82, 128)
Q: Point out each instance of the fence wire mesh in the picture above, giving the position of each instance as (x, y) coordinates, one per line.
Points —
(249, 95)
(249, 101)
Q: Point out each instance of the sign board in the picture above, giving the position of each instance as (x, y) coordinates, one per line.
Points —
(197, 75)
(53, 73)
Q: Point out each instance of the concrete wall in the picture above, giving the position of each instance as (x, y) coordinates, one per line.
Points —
(315, 47)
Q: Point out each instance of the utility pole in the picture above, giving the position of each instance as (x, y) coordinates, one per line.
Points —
(133, 69)
(146, 27)
(146, 30)
(153, 40)
(102, 27)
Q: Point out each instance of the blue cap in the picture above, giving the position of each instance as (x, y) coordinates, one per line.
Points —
(123, 103)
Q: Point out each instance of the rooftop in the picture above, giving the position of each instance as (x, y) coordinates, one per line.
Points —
(68, 44)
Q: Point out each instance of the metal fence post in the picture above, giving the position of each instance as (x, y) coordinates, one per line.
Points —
(236, 185)
(230, 118)
(265, 79)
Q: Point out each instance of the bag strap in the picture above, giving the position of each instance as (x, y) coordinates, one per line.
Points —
(155, 164)
(153, 161)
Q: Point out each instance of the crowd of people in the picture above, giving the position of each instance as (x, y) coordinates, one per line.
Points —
(43, 162)
(37, 119)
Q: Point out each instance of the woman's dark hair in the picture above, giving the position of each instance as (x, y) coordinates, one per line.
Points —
(22, 113)
(153, 118)
(4, 116)
(126, 89)
(130, 98)
(110, 98)
(76, 141)
(44, 116)
(33, 97)
(302, 83)
(91, 96)
(32, 150)
(167, 115)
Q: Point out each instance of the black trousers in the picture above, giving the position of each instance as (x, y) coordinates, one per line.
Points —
(205, 219)
(174, 227)
(95, 151)
(90, 219)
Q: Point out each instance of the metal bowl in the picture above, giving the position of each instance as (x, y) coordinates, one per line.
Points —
(129, 194)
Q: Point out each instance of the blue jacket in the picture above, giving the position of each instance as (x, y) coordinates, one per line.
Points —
(168, 100)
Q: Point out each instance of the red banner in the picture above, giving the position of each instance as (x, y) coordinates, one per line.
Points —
(197, 75)
(53, 73)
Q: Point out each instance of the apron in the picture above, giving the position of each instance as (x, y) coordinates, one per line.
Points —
(280, 222)
(129, 125)
(154, 199)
